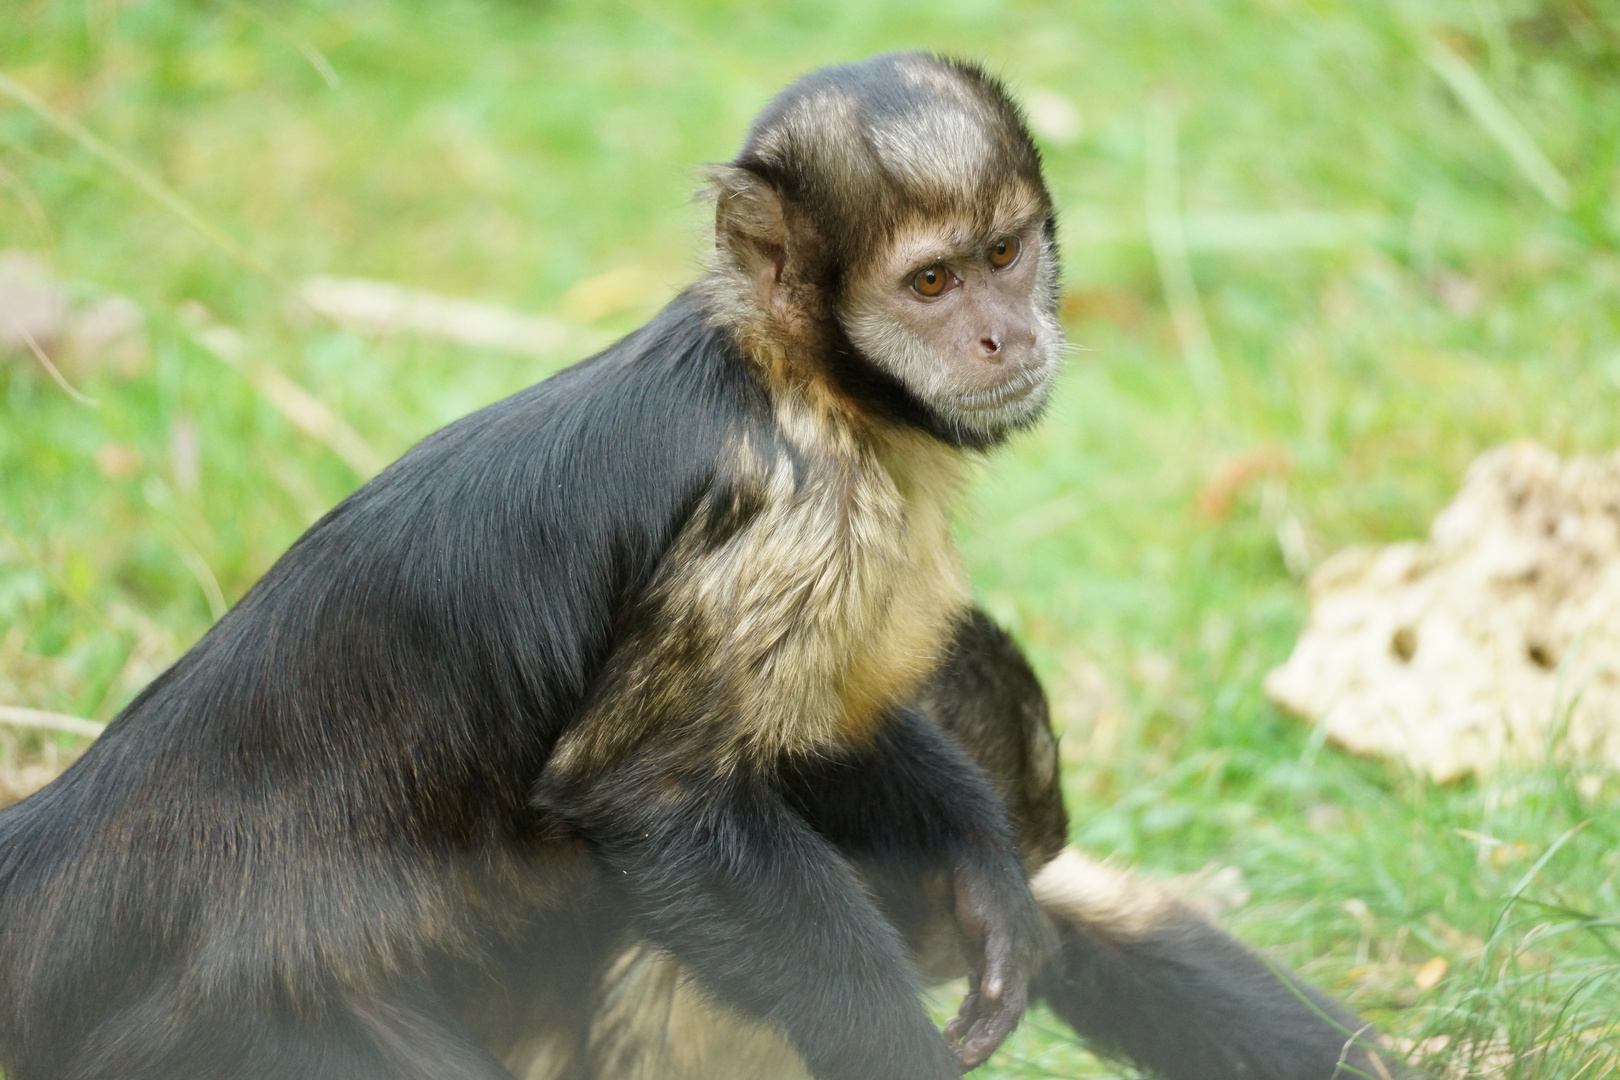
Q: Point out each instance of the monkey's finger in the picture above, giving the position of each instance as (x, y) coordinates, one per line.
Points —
(976, 1049)
(989, 1032)
(962, 1022)
(972, 1029)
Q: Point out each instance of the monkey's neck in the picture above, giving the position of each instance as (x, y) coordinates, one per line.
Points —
(815, 374)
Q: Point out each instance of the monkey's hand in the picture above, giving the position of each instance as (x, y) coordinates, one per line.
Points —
(997, 916)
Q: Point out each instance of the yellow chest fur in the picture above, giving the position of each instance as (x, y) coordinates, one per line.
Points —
(832, 604)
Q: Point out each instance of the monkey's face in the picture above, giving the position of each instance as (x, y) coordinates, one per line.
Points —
(961, 315)
(904, 195)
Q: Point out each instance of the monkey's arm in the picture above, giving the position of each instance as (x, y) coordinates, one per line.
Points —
(911, 802)
(766, 914)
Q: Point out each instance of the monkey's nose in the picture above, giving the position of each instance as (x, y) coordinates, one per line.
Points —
(991, 348)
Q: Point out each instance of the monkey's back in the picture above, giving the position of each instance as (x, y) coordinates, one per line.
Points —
(307, 792)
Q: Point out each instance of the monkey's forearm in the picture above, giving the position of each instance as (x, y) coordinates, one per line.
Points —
(766, 915)
(911, 795)
(910, 801)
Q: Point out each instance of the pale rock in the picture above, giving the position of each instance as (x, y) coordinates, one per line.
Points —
(1492, 643)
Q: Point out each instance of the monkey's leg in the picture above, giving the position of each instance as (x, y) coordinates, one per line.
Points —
(654, 1023)
(528, 994)
(762, 912)
(1135, 972)
(1139, 974)
(986, 697)
(403, 1035)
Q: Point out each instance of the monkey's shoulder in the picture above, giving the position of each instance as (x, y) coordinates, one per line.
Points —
(641, 427)
(580, 481)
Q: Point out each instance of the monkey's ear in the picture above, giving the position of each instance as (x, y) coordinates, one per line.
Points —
(749, 224)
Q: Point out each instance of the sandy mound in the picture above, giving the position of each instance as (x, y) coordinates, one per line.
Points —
(1493, 643)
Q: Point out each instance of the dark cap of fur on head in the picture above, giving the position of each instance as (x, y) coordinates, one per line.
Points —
(864, 147)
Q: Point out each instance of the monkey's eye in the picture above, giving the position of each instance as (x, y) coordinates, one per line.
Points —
(1004, 251)
(931, 280)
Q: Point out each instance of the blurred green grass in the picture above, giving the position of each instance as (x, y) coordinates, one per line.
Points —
(1387, 291)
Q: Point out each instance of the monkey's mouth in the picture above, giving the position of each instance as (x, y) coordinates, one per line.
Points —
(1013, 390)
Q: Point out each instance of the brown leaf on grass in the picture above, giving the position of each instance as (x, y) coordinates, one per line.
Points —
(1233, 474)
(1122, 307)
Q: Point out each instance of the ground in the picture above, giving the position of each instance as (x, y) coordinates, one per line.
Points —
(1319, 253)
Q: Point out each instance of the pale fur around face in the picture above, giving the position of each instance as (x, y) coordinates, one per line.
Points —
(938, 379)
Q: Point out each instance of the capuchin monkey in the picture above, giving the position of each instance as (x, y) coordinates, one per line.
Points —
(636, 659)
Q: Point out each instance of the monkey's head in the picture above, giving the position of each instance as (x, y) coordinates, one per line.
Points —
(888, 219)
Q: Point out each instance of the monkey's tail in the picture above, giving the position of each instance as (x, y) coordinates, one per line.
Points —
(1140, 975)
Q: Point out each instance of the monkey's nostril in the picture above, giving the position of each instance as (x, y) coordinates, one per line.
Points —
(990, 345)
